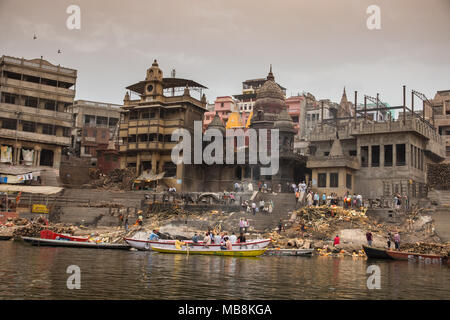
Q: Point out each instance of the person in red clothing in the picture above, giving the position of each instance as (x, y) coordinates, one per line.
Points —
(337, 240)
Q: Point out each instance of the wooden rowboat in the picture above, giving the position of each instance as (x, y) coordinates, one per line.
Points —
(74, 244)
(290, 252)
(418, 257)
(376, 253)
(47, 234)
(170, 244)
(209, 250)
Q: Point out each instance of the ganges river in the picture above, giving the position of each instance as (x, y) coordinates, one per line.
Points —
(28, 272)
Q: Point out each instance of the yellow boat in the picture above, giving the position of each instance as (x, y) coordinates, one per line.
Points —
(229, 253)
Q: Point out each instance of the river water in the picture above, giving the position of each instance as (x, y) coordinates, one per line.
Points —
(28, 272)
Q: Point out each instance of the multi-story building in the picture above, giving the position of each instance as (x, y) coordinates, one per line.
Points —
(294, 107)
(223, 107)
(35, 111)
(148, 122)
(441, 107)
(96, 123)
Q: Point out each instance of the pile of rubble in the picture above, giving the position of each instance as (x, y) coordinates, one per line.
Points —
(322, 222)
(118, 179)
(426, 248)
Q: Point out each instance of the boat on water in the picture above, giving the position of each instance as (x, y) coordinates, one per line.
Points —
(48, 234)
(5, 238)
(142, 244)
(238, 249)
(74, 244)
(290, 252)
(376, 253)
(418, 257)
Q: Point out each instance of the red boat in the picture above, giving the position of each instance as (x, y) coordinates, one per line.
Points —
(47, 234)
(418, 257)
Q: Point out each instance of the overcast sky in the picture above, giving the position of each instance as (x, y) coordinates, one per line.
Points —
(314, 46)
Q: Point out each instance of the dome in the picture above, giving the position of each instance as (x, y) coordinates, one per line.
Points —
(234, 121)
(270, 97)
(217, 123)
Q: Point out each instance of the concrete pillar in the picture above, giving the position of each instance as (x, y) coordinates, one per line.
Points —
(154, 163)
(57, 157)
(381, 155)
(394, 155)
(408, 155)
(138, 164)
(369, 155)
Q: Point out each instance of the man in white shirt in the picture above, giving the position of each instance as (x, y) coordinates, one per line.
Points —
(233, 238)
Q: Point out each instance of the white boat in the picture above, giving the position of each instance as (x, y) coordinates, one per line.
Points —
(141, 244)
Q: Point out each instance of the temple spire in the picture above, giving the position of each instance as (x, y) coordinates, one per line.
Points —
(270, 75)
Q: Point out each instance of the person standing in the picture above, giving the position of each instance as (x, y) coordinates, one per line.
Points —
(140, 219)
(126, 224)
(246, 225)
(241, 238)
(297, 195)
(280, 226)
(388, 240)
(309, 199)
(233, 238)
(241, 225)
(324, 198)
(336, 241)
(261, 205)
(397, 240)
(369, 238)
(254, 208)
(316, 199)
(250, 187)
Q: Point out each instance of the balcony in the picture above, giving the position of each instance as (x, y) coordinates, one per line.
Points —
(35, 112)
(35, 137)
(36, 86)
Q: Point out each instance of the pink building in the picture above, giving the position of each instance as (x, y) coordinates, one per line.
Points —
(223, 106)
(294, 105)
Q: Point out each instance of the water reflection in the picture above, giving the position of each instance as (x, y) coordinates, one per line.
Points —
(36, 273)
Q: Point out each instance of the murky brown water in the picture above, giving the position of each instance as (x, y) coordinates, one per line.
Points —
(28, 272)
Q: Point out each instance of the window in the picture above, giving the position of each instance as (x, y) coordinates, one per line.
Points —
(31, 102)
(50, 105)
(375, 156)
(48, 129)
(348, 181)
(170, 169)
(133, 115)
(10, 124)
(326, 153)
(66, 132)
(28, 126)
(352, 153)
(322, 180)
(143, 138)
(388, 155)
(364, 156)
(9, 98)
(113, 122)
(89, 120)
(401, 155)
(334, 180)
(102, 121)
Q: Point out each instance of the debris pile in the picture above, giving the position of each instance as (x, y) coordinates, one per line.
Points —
(118, 179)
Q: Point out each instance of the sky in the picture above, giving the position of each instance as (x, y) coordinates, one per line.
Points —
(314, 46)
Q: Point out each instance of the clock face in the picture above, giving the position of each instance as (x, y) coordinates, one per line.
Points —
(149, 88)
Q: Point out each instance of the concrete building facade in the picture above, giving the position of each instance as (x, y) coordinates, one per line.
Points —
(96, 123)
(441, 107)
(35, 111)
(147, 124)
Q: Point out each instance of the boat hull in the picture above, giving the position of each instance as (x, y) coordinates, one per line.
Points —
(170, 244)
(290, 252)
(376, 253)
(418, 257)
(74, 244)
(229, 253)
